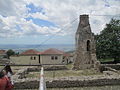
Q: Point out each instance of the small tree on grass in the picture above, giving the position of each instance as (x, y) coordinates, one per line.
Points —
(10, 52)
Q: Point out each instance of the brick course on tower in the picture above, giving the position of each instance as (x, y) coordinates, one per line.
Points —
(85, 55)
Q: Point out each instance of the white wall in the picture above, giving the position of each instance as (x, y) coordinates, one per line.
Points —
(25, 59)
(46, 59)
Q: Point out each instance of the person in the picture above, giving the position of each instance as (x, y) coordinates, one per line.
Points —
(5, 83)
(9, 73)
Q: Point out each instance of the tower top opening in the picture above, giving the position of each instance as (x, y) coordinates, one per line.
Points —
(84, 20)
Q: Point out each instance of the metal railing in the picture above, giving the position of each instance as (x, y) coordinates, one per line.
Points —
(42, 84)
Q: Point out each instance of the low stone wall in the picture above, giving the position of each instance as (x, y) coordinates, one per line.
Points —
(108, 78)
(77, 83)
(27, 84)
(70, 82)
(4, 61)
(21, 74)
(114, 66)
(47, 68)
(51, 68)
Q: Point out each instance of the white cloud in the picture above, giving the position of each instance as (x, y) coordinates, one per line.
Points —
(38, 15)
(60, 12)
(64, 11)
(13, 7)
(9, 27)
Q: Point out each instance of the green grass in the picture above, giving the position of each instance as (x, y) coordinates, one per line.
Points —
(69, 66)
(63, 73)
(106, 60)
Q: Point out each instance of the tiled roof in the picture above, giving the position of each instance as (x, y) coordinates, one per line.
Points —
(2, 52)
(30, 52)
(52, 51)
(66, 54)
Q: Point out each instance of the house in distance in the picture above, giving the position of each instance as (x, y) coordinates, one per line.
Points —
(49, 56)
(3, 54)
(27, 57)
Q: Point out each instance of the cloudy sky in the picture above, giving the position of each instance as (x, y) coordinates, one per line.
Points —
(51, 21)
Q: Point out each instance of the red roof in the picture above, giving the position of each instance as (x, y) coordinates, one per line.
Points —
(2, 52)
(30, 52)
(66, 54)
(52, 51)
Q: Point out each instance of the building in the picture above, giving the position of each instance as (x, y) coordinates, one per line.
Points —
(49, 56)
(85, 55)
(27, 57)
(3, 57)
(3, 54)
(68, 58)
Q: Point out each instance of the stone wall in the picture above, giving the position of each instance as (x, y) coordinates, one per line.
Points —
(77, 83)
(66, 83)
(108, 78)
(4, 61)
(27, 84)
(47, 68)
(21, 74)
(114, 66)
(85, 54)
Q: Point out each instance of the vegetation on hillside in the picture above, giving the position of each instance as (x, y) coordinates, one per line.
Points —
(108, 41)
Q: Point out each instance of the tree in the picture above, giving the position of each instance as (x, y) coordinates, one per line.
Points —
(108, 41)
(10, 52)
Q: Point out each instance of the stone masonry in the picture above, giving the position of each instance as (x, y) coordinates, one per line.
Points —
(85, 45)
(98, 80)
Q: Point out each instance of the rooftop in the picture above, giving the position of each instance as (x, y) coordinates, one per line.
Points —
(48, 52)
(52, 51)
(30, 52)
(2, 52)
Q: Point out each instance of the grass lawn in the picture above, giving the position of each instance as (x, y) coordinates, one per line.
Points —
(63, 73)
(106, 60)
(69, 66)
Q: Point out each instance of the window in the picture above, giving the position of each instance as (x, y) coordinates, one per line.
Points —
(34, 58)
(31, 58)
(52, 57)
(88, 45)
(63, 57)
(56, 57)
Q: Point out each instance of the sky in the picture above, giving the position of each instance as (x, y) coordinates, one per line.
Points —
(51, 21)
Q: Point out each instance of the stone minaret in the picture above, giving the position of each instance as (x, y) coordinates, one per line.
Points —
(85, 55)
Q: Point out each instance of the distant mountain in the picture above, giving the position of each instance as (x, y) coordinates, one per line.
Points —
(20, 48)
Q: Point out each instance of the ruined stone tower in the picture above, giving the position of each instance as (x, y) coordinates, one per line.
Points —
(85, 55)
